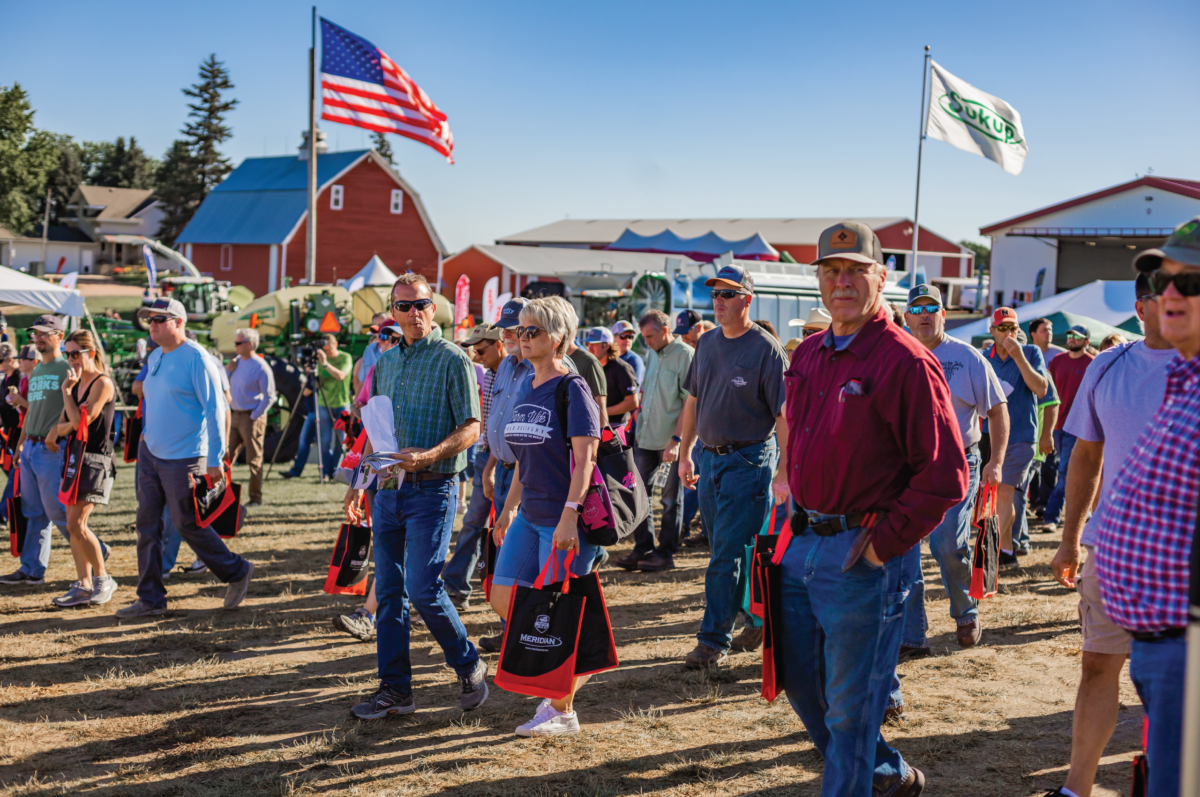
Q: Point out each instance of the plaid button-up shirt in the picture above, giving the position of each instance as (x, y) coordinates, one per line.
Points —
(433, 391)
(1145, 526)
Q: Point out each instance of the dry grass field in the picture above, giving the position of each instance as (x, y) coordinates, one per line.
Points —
(208, 703)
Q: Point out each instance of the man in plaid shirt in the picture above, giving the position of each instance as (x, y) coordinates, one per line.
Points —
(1146, 523)
(435, 402)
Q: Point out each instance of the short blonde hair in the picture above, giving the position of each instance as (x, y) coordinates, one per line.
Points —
(555, 315)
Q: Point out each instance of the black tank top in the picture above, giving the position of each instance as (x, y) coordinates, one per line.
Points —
(99, 428)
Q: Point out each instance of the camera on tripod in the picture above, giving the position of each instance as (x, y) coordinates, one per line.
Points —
(307, 354)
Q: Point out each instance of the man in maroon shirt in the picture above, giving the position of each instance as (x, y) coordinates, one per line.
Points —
(1068, 375)
(875, 460)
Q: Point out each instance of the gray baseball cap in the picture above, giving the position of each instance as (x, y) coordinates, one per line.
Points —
(163, 306)
(850, 240)
(1183, 245)
(924, 290)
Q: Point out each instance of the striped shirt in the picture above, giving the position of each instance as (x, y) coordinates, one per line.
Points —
(433, 391)
(1144, 529)
(485, 406)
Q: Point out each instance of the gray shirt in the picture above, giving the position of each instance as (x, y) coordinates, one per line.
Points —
(738, 386)
(252, 386)
(974, 386)
(1120, 392)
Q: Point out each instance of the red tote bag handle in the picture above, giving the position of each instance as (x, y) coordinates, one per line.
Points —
(553, 560)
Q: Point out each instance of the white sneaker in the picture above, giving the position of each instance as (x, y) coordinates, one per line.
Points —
(549, 721)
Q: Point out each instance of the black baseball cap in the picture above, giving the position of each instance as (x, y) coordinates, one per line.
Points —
(685, 321)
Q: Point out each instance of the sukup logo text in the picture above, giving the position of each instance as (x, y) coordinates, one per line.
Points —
(980, 117)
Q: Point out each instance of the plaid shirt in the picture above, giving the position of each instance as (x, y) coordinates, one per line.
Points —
(1144, 527)
(485, 405)
(433, 391)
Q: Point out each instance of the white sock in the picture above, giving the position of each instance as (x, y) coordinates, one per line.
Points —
(1067, 791)
(1009, 551)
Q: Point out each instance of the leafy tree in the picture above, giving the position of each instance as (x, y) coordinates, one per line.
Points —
(383, 147)
(62, 180)
(193, 165)
(983, 255)
(26, 157)
(122, 166)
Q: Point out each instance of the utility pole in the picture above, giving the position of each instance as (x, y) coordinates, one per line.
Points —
(310, 250)
(46, 230)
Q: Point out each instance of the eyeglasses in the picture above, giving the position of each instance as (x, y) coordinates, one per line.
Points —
(728, 294)
(159, 319)
(528, 333)
(917, 309)
(1148, 297)
(627, 335)
(421, 304)
(1007, 328)
(1187, 283)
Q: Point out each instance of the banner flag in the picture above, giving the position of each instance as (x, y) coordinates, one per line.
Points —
(975, 121)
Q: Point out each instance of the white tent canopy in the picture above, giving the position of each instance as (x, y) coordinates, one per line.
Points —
(1104, 300)
(22, 289)
(373, 273)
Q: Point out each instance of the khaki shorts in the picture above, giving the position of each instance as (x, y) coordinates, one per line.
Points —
(1100, 634)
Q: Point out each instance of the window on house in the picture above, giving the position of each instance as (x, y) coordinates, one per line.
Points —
(335, 198)
(226, 257)
(397, 200)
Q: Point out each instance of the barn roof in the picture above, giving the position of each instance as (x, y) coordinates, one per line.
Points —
(264, 200)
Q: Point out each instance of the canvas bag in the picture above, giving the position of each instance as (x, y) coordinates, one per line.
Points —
(133, 432)
(985, 560)
(73, 459)
(616, 502)
(487, 558)
(351, 559)
(770, 578)
(597, 648)
(18, 524)
(541, 637)
(219, 505)
(752, 597)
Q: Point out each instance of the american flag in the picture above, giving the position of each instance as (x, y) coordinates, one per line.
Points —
(361, 86)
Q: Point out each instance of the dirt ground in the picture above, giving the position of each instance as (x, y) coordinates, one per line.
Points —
(256, 701)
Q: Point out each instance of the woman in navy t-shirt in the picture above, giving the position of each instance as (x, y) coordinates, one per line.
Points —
(541, 514)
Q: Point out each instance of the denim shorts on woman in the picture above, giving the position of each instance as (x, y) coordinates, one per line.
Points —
(525, 550)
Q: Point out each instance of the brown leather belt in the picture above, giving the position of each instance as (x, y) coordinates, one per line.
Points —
(730, 448)
(35, 439)
(509, 465)
(838, 524)
(428, 476)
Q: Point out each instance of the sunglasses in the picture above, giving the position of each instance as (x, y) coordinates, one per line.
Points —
(627, 335)
(240, 342)
(421, 304)
(529, 333)
(1007, 328)
(917, 309)
(389, 337)
(72, 355)
(727, 294)
(1076, 335)
(1187, 283)
(159, 319)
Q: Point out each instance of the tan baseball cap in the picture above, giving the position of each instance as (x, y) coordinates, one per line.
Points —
(850, 240)
(483, 332)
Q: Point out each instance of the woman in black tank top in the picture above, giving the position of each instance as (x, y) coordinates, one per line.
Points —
(86, 385)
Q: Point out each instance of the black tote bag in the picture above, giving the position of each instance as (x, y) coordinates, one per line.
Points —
(18, 524)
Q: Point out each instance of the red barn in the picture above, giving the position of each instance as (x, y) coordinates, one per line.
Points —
(251, 229)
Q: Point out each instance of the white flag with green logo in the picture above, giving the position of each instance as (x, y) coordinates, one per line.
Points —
(975, 121)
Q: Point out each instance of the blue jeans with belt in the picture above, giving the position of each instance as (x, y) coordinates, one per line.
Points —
(411, 528)
(841, 636)
(735, 499)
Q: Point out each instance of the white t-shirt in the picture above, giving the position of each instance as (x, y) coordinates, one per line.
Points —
(974, 386)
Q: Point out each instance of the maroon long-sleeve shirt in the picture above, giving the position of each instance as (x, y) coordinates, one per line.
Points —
(871, 429)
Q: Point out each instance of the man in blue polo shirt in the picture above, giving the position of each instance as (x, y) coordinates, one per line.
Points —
(1023, 377)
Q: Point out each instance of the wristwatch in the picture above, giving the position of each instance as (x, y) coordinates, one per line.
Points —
(578, 507)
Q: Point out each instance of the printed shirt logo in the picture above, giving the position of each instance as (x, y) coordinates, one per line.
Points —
(738, 381)
(951, 369)
(530, 426)
(845, 239)
(978, 116)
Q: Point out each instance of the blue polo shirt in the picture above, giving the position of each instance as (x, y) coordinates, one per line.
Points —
(1022, 403)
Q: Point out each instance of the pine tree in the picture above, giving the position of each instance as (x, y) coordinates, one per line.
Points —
(27, 156)
(124, 166)
(66, 176)
(193, 166)
(383, 147)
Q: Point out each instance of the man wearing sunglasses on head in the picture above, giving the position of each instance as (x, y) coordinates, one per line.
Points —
(430, 383)
(1024, 379)
(1144, 525)
(183, 440)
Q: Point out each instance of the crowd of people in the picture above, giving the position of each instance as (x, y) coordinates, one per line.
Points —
(869, 432)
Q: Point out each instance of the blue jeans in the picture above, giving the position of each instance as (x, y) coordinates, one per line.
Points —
(412, 528)
(735, 499)
(331, 446)
(841, 637)
(950, 544)
(1157, 669)
(172, 539)
(691, 498)
(41, 478)
(526, 550)
(503, 479)
(1064, 444)
(461, 566)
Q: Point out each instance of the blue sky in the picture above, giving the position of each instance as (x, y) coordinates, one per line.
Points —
(657, 109)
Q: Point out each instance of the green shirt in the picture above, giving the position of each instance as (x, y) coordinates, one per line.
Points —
(336, 393)
(663, 395)
(45, 396)
(433, 391)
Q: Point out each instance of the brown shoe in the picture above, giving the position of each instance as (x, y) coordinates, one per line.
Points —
(893, 713)
(630, 561)
(695, 541)
(913, 785)
(749, 639)
(656, 562)
(908, 653)
(969, 634)
(704, 657)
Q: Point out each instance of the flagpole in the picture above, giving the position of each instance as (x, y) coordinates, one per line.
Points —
(920, 151)
(310, 251)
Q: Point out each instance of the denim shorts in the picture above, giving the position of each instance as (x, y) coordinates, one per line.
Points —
(526, 549)
(1018, 458)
